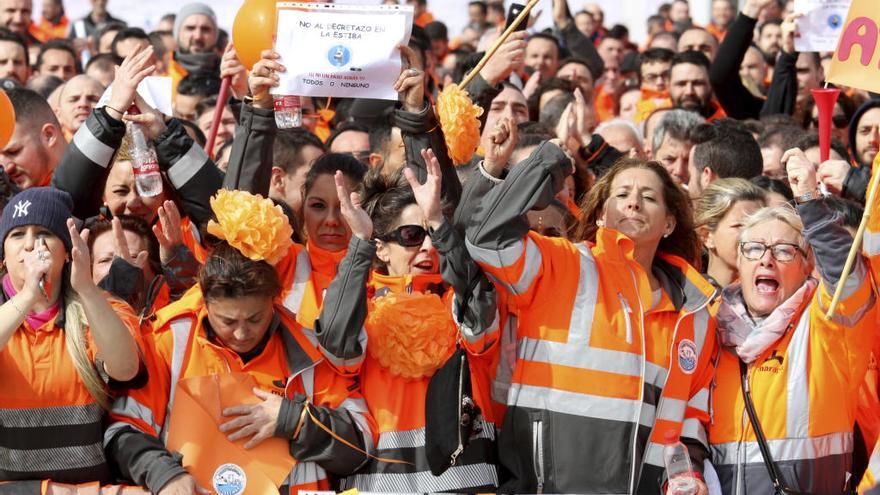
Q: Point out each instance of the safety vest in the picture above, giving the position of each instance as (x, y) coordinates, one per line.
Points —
(398, 406)
(305, 274)
(805, 390)
(290, 364)
(596, 366)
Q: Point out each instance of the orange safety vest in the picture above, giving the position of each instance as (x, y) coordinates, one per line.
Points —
(592, 356)
(605, 104)
(175, 71)
(805, 388)
(47, 30)
(192, 379)
(398, 406)
(305, 274)
(650, 102)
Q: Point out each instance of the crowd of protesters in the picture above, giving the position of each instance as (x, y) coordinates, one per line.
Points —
(642, 250)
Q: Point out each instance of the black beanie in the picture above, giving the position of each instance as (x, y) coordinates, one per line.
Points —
(44, 206)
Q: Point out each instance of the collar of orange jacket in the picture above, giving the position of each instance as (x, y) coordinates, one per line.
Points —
(324, 261)
(407, 283)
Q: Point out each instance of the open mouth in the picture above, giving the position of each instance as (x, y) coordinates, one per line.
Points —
(766, 285)
(424, 266)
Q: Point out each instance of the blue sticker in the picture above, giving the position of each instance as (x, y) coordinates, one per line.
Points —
(339, 56)
(687, 356)
(835, 21)
(229, 479)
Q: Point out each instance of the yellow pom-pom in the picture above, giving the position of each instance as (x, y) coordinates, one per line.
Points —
(459, 118)
(255, 226)
(411, 335)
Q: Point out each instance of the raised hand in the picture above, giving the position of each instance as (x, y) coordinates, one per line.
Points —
(129, 75)
(231, 67)
(168, 230)
(350, 206)
(790, 32)
(499, 146)
(428, 194)
(264, 77)
(753, 8)
(801, 172)
(410, 85)
(120, 245)
(152, 120)
(508, 58)
(80, 260)
(37, 263)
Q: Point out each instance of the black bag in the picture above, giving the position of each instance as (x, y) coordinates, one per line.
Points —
(450, 413)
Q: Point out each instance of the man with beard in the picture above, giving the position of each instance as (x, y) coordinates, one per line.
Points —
(36, 145)
(689, 86)
(195, 30)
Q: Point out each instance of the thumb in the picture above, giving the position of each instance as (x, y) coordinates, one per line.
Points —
(262, 393)
(140, 260)
(411, 178)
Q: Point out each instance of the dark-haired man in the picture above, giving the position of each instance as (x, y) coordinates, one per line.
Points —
(13, 57)
(37, 144)
(57, 58)
(689, 87)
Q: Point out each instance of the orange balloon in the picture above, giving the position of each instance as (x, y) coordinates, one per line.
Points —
(7, 119)
(253, 30)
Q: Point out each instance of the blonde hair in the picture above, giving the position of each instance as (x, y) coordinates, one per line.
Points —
(785, 214)
(721, 196)
(75, 340)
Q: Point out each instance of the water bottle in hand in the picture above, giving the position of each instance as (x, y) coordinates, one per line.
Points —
(679, 471)
(145, 165)
(288, 111)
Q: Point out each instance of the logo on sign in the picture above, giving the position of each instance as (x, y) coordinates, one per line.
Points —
(229, 479)
(835, 21)
(339, 56)
(687, 356)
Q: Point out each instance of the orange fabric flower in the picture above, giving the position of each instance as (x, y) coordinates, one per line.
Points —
(411, 335)
(459, 118)
(255, 226)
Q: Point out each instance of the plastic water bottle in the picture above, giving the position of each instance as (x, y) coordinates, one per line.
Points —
(145, 165)
(288, 111)
(678, 467)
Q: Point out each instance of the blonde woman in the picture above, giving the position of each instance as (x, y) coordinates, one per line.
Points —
(718, 218)
(63, 346)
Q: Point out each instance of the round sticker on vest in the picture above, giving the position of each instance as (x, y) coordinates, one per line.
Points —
(229, 479)
(687, 356)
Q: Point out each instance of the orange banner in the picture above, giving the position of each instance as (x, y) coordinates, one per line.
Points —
(856, 62)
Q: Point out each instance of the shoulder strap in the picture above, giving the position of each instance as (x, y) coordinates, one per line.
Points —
(778, 483)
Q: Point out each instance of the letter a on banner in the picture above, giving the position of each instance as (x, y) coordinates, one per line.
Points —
(856, 61)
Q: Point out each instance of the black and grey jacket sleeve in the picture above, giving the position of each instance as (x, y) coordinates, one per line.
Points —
(782, 93)
(830, 241)
(340, 326)
(86, 162)
(855, 185)
(475, 307)
(250, 164)
(421, 131)
(314, 444)
(737, 101)
(581, 46)
(190, 171)
(142, 458)
(500, 219)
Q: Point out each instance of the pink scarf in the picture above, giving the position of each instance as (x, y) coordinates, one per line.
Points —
(35, 320)
(749, 338)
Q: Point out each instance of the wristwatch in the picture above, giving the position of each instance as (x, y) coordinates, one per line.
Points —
(808, 196)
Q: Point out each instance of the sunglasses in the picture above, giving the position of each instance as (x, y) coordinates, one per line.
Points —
(838, 121)
(406, 235)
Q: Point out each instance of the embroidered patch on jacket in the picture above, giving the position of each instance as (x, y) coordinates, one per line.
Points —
(687, 356)
(229, 479)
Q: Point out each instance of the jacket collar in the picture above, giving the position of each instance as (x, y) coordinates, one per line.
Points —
(381, 284)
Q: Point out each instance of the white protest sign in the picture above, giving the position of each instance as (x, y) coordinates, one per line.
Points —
(821, 25)
(347, 51)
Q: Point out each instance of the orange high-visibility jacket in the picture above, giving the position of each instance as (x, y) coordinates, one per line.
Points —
(305, 274)
(599, 367)
(350, 340)
(805, 387)
(289, 366)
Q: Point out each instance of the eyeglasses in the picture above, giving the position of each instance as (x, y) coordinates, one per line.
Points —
(839, 121)
(407, 235)
(782, 252)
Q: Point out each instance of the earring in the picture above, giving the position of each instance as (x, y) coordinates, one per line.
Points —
(600, 223)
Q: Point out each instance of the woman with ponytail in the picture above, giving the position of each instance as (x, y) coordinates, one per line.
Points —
(63, 347)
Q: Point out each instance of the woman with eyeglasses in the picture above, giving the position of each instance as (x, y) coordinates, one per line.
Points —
(787, 377)
(396, 325)
(614, 335)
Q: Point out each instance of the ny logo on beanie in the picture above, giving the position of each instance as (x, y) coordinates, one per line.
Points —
(21, 208)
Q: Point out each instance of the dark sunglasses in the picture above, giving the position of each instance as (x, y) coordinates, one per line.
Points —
(407, 235)
(838, 121)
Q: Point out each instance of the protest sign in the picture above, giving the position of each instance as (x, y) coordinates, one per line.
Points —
(856, 61)
(155, 90)
(340, 50)
(821, 25)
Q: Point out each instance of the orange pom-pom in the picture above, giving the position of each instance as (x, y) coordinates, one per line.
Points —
(459, 118)
(411, 335)
(255, 226)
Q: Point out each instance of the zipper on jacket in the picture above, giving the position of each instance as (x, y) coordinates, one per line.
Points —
(458, 450)
(627, 318)
(538, 453)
